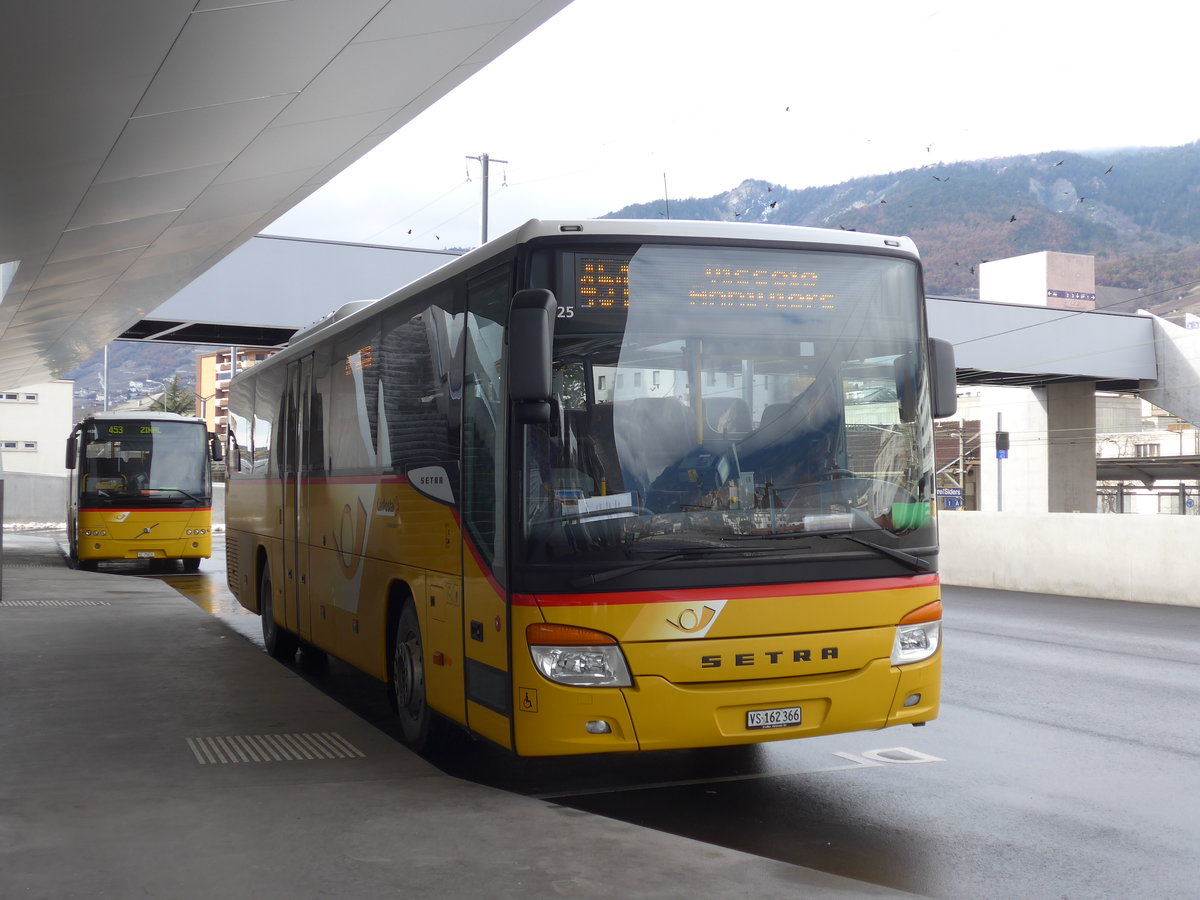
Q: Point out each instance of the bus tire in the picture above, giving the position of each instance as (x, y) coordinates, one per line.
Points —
(281, 644)
(419, 725)
(191, 564)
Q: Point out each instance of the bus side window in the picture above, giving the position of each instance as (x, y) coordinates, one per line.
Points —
(483, 413)
(415, 398)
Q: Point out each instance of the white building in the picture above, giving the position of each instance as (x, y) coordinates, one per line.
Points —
(34, 424)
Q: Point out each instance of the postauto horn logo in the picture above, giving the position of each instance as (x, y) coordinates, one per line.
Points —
(695, 621)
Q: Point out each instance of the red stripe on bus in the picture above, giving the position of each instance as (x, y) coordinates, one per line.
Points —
(145, 509)
(699, 595)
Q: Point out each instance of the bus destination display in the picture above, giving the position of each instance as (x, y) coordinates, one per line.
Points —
(602, 282)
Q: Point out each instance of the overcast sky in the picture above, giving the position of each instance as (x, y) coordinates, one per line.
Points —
(593, 109)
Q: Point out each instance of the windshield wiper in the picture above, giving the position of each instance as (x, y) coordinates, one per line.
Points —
(163, 490)
(672, 556)
(913, 562)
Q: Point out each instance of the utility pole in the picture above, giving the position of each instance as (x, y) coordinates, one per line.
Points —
(483, 159)
(1001, 455)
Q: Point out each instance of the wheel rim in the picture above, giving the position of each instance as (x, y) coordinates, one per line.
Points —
(268, 616)
(409, 676)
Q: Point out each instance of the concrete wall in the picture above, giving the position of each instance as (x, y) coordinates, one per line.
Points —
(1026, 474)
(34, 499)
(1149, 559)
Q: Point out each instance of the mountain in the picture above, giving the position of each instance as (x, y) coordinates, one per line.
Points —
(1136, 211)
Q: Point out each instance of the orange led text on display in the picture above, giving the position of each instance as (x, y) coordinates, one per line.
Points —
(760, 289)
(603, 283)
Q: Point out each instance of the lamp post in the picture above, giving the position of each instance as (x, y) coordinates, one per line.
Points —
(203, 406)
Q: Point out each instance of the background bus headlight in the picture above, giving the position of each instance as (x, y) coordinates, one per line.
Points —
(566, 654)
(918, 635)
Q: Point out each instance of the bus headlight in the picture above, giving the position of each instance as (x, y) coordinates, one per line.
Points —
(918, 635)
(566, 654)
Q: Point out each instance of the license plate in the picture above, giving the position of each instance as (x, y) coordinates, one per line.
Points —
(773, 718)
(145, 554)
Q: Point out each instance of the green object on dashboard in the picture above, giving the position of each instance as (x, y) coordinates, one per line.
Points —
(907, 516)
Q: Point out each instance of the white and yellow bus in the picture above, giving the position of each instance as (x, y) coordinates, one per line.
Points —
(610, 486)
(140, 487)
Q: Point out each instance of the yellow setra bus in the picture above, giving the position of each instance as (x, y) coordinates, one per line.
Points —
(140, 487)
(610, 486)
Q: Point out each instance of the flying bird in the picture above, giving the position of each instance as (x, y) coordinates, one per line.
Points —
(1109, 169)
(935, 178)
(1013, 218)
(773, 202)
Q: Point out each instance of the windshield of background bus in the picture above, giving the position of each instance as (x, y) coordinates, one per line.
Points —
(137, 458)
(750, 393)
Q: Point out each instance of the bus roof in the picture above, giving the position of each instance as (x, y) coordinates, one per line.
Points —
(686, 228)
(143, 416)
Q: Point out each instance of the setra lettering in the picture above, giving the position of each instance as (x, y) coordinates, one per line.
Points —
(766, 657)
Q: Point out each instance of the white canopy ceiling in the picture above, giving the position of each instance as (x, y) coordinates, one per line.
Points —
(146, 139)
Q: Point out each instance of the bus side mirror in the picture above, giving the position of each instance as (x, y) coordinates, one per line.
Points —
(905, 372)
(71, 451)
(945, 379)
(530, 336)
(214, 448)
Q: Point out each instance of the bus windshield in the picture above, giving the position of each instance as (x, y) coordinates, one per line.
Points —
(131, 463)
(712, 398)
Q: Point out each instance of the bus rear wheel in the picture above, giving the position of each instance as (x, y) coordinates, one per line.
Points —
(280, 643)
(191, 564)
(419, 725)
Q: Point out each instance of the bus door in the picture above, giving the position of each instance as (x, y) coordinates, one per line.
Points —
(484, 523)
(296, 496)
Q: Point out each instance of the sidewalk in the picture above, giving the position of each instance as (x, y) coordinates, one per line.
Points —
(148, 751)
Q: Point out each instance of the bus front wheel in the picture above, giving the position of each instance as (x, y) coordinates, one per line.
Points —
(280, 643)
(418, 723)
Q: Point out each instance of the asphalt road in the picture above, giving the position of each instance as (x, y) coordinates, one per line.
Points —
(1065, 764)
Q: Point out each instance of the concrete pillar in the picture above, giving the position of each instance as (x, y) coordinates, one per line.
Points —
(1071, 447)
